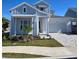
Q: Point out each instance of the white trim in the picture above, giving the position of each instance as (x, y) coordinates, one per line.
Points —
(29, 6)
(42, 1)
(42, 16)
(21, 15)
(17, 6)
(42, 6)
(25, 8)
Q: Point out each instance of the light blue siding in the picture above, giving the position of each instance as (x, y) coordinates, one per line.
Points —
(12, 26)
(19, 10)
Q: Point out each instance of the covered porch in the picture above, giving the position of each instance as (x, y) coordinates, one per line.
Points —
(39, 24)
(18, 21)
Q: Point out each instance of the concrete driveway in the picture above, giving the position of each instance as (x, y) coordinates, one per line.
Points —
(69, 41)
(66, 40)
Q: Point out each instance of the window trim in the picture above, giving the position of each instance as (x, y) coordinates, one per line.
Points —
(25, 9)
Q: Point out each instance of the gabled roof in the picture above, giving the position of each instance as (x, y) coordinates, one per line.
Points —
(73, 9)
(41, 1)
(29, 6)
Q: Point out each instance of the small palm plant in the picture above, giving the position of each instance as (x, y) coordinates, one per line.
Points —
(27, 29)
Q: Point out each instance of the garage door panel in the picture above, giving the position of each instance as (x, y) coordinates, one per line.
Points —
(57, 26)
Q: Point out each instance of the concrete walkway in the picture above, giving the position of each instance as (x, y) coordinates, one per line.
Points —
(53, 52)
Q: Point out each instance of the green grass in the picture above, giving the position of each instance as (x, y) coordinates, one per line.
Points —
(45, 43)
(21, 55)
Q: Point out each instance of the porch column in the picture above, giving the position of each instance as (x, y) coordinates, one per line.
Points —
(48, 19)
(48, 26)
(15, 25)
(38, 26)
(12, 27)
(37, 20)
(45, 25)
(35, 25)
(32, 25)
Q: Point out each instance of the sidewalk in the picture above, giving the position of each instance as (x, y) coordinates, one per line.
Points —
(54, 52)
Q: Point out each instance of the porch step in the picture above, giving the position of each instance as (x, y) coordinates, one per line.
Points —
(44, 36)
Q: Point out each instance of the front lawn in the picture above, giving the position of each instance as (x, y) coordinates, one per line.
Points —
(20, 55)
(43, 42)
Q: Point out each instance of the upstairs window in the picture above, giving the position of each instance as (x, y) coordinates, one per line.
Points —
(24, 10)
(41, 9)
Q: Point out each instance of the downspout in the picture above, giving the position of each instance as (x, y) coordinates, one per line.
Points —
(48, 21)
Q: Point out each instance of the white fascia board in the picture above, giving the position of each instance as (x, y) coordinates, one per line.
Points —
(40, 1)
(19, 15)
(17, 6)
(29, 6)
(42, 16)
(42, 6)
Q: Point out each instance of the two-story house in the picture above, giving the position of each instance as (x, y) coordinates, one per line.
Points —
(39, 17)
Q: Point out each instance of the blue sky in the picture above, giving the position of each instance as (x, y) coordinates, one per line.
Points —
(59, 6)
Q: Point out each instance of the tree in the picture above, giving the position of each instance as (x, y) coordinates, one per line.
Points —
(4, 24)
(27, 29)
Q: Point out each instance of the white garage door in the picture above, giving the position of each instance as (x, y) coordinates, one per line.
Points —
(57, 25)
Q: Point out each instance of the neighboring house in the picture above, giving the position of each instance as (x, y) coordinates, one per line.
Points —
(39, 17)
(72, 12)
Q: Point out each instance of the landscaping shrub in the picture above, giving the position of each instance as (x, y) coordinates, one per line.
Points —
(36, 37)
(20, 38)
(14, 38)
(31, 37)
(39, 37)
(5, 36)
(43, 38)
